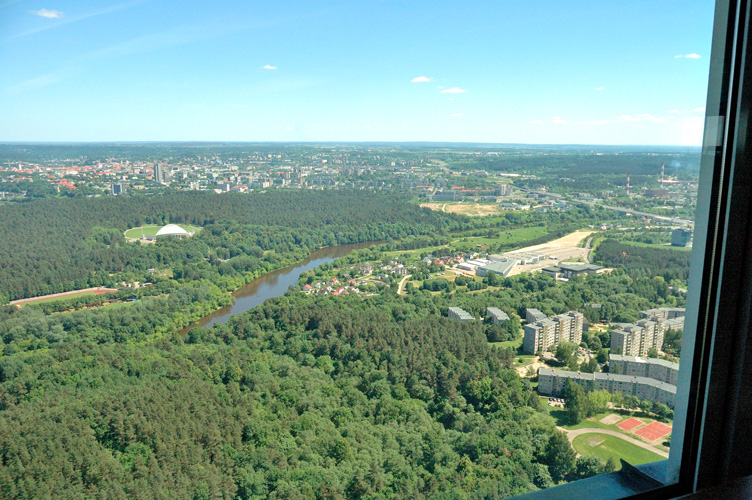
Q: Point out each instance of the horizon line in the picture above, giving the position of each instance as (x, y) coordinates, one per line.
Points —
(381, 142)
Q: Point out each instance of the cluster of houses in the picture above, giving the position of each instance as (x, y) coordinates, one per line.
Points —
(334, 287)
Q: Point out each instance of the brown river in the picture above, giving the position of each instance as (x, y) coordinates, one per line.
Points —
(276, 283)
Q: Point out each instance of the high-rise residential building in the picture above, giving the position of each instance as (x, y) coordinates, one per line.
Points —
(681, 237)
(158, 173)
(637, 339)
(539, 336)
(545, 333)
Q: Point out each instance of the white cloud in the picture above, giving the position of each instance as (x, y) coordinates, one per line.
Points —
(267, 66)
(700, 109)
(675, 111)
(439, 86)
(456, 114)
(558, 120)
(368, 126)
(678, 56)
(688, 56)
(420, 79)
(536, 122)
(599, 88)
(68, 20)
(49, 14)
(453, 90)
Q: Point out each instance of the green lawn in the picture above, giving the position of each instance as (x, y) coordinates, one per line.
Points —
(152, 229)
(604, 446)
(514, 345)
(505, 237)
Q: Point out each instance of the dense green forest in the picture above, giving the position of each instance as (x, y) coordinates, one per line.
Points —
(301, 398)
(644, 261)
(56, 245)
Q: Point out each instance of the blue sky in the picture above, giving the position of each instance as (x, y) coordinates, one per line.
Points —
(508, 71)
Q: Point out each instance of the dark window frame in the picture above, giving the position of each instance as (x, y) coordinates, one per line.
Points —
(712, 433)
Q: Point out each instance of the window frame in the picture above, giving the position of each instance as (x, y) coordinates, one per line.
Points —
(712, 431)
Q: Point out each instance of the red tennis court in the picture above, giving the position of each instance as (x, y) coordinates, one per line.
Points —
(654, 431)
(629, 424)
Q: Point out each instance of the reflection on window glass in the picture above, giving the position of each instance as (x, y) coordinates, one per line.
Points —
(338, 250)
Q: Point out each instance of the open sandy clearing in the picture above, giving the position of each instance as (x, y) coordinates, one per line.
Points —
(569, 241)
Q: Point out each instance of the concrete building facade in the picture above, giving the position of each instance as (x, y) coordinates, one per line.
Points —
(496, 315)
(546, 333)
(637, 339)
(553, 382)
(533, 315)
(657, 369)
(460, 314)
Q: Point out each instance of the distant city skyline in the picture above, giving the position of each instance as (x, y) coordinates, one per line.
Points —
(491, 72)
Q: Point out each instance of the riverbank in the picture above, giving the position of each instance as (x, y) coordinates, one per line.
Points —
(276, 283)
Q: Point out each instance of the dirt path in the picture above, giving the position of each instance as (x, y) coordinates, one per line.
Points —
(97, 290)
(573, 434)
(402, 284)
(522, 370)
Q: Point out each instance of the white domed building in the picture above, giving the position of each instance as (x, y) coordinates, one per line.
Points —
(172, 230)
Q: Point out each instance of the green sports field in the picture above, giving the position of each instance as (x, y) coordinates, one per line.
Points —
(151, 230)
(604, 446)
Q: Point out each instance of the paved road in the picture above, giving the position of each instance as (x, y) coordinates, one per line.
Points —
(668, 218)
(573, 434)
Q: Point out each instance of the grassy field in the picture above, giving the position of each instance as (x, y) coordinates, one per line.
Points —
(560, 416)
(508, 237)
(152, 229)
(509, 344)
(604, 447)
(521, 360)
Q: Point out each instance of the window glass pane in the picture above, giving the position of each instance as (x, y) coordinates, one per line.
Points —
(416, 249)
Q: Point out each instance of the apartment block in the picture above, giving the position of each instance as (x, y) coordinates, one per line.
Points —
(533, 315)
(636, 339)
(539, 336)
(460, 314)
(658, 369)
(496, 315)
(663, 313)
(545, 333)
(553, 382)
